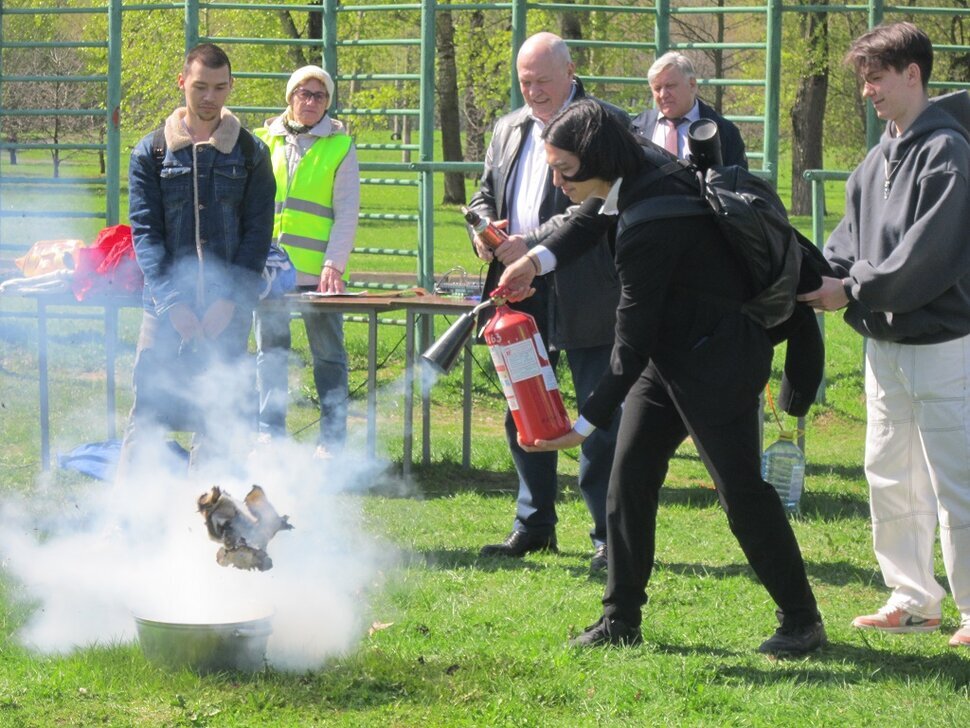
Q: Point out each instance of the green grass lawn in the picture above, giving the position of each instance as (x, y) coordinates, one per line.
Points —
(459, 641)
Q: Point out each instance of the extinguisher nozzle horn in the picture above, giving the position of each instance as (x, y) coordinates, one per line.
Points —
(443, 353)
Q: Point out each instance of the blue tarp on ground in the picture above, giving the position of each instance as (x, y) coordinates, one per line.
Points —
(100, 459)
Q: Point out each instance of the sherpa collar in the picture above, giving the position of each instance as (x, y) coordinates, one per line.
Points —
(223, 138)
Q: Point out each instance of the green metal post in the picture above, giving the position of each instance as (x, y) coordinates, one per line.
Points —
(329, 40)
(113, 117)
(519, 11)
(426, 147)
(191, 24)
(662, 27)
(772, 90)
(874, 125)
(818, 236)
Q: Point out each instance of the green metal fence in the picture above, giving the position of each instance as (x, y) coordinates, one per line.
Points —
(109, 82)
(335, 42)
(332, 44)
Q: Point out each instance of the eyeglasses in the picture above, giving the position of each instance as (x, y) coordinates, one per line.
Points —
(307, 96)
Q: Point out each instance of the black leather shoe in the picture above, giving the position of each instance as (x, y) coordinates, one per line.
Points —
(608, 632)
(793, 641)
(520, 543)
(599, 562)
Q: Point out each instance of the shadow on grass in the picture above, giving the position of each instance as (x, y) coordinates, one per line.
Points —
(446, 559)
(866, 664)
(842, 472)
(835, 573)
(446, 478)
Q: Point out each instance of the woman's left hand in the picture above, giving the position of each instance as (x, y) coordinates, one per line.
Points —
(570, 439)
(331, 281)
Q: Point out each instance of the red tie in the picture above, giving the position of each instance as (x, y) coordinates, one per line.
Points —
(670, 141)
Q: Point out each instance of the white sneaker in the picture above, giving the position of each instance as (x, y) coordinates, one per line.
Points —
(897, 620)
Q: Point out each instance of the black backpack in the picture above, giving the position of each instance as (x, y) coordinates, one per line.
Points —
(753, 220)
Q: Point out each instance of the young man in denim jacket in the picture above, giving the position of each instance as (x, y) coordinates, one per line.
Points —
(201, 213)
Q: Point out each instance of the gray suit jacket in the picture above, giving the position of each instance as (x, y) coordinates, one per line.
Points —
(732, 145)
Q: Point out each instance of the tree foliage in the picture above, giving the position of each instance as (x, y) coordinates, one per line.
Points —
(153, 43)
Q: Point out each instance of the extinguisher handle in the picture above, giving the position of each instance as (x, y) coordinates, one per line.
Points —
(498, 297)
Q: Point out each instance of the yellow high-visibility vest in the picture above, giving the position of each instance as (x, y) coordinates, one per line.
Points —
(304, 204)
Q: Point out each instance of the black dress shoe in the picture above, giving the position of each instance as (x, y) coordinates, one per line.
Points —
(794, 641)
(608, 632)
(520, 543)
(599, 561)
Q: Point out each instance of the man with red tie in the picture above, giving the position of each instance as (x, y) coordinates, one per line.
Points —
(673, 83)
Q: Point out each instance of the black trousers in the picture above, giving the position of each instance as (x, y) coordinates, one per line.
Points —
(653, 425)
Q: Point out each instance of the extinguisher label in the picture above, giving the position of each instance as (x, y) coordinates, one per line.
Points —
(548, 374)
(540, 347)
(549, 379)
(521, 361)
(503, 377)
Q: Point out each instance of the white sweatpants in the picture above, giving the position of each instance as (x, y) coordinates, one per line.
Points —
(918, 466)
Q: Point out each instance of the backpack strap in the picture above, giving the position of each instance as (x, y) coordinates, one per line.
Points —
(663, 207)
(159, 146)
(247, 143)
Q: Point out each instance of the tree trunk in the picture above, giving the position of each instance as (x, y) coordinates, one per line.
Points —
(808, 111)
(476, 124)
(719, 61)
(56, 152)
(571, 28)
(314, 29)
(291, 31)
(447, 88)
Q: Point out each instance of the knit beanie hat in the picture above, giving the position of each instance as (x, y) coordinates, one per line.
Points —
(301, 75)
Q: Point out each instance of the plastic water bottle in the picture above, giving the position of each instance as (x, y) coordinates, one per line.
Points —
(783, 465)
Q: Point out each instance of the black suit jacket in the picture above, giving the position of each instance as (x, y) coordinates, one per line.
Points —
(732, 145)
(574, 307)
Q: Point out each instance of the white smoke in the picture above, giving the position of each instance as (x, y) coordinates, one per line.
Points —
(114, 552)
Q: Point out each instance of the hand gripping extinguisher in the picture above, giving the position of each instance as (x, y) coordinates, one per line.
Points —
(528, 380)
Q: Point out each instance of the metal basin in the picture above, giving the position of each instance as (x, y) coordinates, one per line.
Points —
(218, 647)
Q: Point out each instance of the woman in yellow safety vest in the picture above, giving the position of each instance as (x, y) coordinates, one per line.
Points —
(317, 204)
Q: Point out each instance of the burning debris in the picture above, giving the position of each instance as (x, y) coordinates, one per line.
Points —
(242, 529)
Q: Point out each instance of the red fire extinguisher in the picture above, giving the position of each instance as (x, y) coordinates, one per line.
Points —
(528, 379)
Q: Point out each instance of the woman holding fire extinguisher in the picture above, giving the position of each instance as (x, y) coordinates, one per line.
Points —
(685, 362)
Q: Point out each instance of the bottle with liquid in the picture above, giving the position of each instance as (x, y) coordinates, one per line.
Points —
(783, 466)
(484, 228)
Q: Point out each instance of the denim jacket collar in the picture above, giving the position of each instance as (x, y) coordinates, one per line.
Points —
(223, 138)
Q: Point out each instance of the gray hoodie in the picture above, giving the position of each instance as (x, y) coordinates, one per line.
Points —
(903, 242)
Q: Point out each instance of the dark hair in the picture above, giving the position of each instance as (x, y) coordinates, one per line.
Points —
(209, 55)
(895, 46)
(606, 149)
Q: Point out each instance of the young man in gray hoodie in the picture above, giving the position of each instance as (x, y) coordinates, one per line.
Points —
(903, 267)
